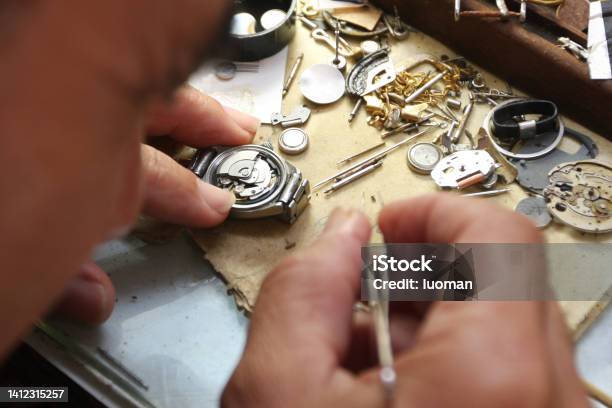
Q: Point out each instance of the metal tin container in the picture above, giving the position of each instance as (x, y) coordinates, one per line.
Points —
(264, 42)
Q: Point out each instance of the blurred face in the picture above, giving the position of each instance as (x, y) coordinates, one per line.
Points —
(78, 78)
(83, 75)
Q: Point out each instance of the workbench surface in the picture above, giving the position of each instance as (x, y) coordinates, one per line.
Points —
(244, 252)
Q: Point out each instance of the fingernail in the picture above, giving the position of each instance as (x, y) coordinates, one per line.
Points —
(244, 120)
(216, 198)
(91, 296)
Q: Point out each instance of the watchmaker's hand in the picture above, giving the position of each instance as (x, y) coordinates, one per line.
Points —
(304, 334)
(171, 192)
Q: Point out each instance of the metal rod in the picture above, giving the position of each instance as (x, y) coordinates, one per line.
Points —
(488, 193)
(597, 394)
(442, 116)
(348, 171)
(447, 111)
(424, 88)
(358, 169)
(309, 23)
(379, 305)
(137, 380)
(293, 73)
(407, 127)
(486, 14)
(447, 141)
(376, 157)
(387, 374)
(494, 95)
(96, 364)
(337, 32)
(464, 121)
(348, 180)
(503, 7)
(457, 10)
(357, 155)
(355, 110)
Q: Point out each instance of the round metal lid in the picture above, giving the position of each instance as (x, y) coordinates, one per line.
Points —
(272, 18)
(243, 24)
(369, 47)
(423, 157)
(322, 84)
(293, 141)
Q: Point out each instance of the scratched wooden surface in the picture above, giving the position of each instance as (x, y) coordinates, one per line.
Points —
(244, 252)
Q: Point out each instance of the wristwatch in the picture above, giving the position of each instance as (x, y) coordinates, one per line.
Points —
(265, 185)
(506, 126)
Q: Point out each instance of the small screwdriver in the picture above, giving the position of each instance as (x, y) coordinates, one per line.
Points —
(293, 73)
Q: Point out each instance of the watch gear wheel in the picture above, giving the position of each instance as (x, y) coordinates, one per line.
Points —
(579, 194)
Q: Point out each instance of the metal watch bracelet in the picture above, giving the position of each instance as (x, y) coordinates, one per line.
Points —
(291, 202)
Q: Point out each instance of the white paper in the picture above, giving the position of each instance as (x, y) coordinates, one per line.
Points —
(599, 59)
(334, 4)
(259, 94)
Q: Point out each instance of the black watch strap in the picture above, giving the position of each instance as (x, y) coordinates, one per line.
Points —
(507, 127)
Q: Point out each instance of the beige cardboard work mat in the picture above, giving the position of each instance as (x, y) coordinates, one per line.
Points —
(245, 251)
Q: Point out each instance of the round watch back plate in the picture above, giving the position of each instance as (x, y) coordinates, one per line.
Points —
(536, 210)
(423, 157)
(322, 84)
(293, 141)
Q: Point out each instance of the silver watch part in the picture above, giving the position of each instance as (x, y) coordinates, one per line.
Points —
(528, 129)
(424, 157)
(293, 141)
(253, 175)
(226, 70)
(491, 181)
(322, 84)
(369, 47)
(340, 63)
(298, 117)
(464, 169)
(263, 183)
(579, 194)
